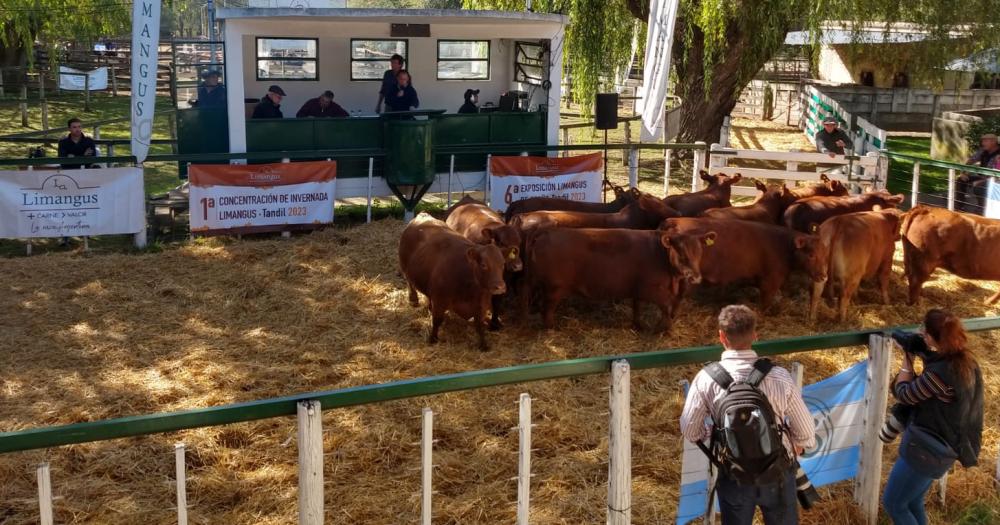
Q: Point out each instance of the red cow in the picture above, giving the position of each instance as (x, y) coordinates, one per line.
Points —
(807, 214)
(752, 251)
(644, 214)
(827, 188)
(767, 208)
(716, 195)
(623, 197)
(454, 273)
(645, 266)
(861, 246)
(964, 244)
(482, 225)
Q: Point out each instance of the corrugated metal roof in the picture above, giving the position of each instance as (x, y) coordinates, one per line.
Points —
(985, 61)
(835, 37)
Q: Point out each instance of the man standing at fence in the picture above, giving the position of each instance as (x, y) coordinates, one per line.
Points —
(76, 144)
(831, 139)
(971, 187)
(749, 401)
(211, 94)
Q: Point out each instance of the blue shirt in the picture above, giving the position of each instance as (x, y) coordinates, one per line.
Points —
(406, 102)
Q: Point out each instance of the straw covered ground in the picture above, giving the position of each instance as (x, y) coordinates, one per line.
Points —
(85, 338)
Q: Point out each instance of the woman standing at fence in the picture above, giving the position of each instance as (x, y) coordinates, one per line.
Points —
(939, 411)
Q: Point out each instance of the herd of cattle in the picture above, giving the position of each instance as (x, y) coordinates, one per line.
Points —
(654, 250)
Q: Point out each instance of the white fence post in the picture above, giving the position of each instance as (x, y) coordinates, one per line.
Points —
(426, 464)
(182, 513)
(951, 189)
(724, 132)
(310, 436)
(451, 174)
(620, 447)
(371, 176)
(699, 163)
(797, 373)
(876, 399)
(524, 459)
(633, 168)
(565, 134)
(486, 183)
(44, 494)
(942, 484)
(915, 187)
(667, 154)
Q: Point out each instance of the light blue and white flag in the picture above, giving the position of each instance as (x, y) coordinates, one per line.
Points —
(837, 406)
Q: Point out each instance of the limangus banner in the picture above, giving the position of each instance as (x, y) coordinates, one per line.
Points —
(518, 178)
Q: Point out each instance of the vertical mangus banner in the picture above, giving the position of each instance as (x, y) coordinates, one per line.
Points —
(241, 198)
(518, 178)
(659, 39)
(145, 41)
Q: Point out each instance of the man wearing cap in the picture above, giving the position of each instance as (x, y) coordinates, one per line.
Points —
(321, 106)
(211, 94)
(471, 102)
(971, 187)
(831, 139)
(270, 105)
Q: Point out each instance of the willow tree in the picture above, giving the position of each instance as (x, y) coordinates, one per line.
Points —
(23, 23)
(719, 45)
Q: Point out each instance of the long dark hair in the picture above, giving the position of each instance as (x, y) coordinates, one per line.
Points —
(952, 344)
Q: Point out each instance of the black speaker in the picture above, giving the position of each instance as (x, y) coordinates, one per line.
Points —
(606, 111)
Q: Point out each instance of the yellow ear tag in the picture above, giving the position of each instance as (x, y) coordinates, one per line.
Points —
(709, 241)
(511, 256)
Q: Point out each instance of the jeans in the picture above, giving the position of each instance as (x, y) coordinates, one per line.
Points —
(904, 495)
(777, 502)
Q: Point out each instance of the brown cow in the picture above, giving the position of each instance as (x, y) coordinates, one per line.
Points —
(767, 208)
(482, 225)
(645, 266)
(716, 195)
(861, 246)
(644, 214)
(807, 214)
(964, 244)
(454, 273)
(827, 188)
(752, 251)
(623, 197)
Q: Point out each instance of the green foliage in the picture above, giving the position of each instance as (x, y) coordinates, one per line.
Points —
(978, 129)
(980, 513)
(23, 22)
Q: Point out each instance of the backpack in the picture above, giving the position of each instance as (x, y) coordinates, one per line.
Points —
(746, 444)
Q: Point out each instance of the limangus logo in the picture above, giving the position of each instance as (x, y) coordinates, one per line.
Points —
(267, 174)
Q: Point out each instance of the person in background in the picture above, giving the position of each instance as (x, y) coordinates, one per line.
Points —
(971, 187)
(76, 144)
(831, 139)
(471, 104)
(270, 105)
(211, 94)
(405, 97)
(737, 501)
(321, 106)
(942, 421)
(389, 85)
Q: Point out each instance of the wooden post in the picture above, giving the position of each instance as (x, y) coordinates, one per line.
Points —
(523, 459)
(179, 468)
(44, 494)
(114, 81)
(867, 488)
(45, 114)
(620, 447)
(951, 189)
(915, 186)
(86, 91)
(724, 133)
(24, 105)
(41, 88)
(628, 140)
(667, 154)
(426, 463)
(633, 168)
(942, 484)
(310, 436)
(797, 373)
(699, 163)
(1, 83)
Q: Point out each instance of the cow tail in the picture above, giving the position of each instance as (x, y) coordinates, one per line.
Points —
(908, 218)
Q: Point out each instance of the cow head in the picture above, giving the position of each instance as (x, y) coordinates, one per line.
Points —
(684, 252)
(812, 255)
(787, 198)
(487, 265)
(882, 199)
(654, 210)
(837, 188)
(761, 187)
(508, 239)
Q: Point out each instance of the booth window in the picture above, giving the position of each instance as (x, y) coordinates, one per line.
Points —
(463, 60)
(287, 58)
(370, 58)
(529, 63)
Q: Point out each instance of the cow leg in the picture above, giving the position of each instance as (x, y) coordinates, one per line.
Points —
(819, 288)
(495, 322)
(847, 291)
(481, 332)
(884, 274)
(917, 269)
(437, 317)
(666, 317)
(769, 289)
(552, 300)
(994, 299)
(636, 314)
(414, 299)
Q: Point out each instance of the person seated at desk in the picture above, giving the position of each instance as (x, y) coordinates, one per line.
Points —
(471, 104)
(270, 105)
(389, 80)
(76, 144)
(321, 106)
(211, 94)
(405, 97)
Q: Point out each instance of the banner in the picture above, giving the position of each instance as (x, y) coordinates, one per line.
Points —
(241, 198)
(837, 405)
(73, 79)
(656, 70)
(992, 199)
(145, 39)
(519, 178)
(71, 203)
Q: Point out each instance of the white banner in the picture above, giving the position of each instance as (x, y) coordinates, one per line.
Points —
(145, 39)
(518, 178)
(71, 203)
(75, 80)
(656, 70)
(992, 199)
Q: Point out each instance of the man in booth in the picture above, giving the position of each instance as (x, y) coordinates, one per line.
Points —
(270, 105)
(321, 106)
(471, 104)
(211, 94)
(389, 85)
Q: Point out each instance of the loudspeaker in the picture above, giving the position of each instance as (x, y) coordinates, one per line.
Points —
(606, 111)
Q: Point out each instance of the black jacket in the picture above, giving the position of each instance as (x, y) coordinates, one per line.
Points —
(212, 99)
(267, 109)
(406, 102)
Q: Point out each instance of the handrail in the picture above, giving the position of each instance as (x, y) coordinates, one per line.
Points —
(517, 148)
(45, 437)
(926, 161)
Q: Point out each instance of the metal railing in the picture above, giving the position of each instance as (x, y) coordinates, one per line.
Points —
(970, 198)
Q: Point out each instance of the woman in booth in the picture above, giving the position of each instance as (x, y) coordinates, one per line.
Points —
(405, 97)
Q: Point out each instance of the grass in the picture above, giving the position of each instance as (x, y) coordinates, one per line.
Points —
(932, 179)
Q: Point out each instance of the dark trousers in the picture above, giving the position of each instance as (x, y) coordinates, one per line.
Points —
(777, 501)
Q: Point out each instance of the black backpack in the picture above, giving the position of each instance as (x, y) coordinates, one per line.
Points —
(746, 444)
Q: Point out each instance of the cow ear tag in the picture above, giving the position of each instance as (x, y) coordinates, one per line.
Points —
(709, 241)
(511, 255)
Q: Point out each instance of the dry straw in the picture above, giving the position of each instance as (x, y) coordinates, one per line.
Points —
(88, 338)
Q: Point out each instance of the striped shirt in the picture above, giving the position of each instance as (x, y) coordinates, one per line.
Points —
(778, 386)
(924, 387)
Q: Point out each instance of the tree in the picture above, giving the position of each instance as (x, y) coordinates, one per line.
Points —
(49, 22)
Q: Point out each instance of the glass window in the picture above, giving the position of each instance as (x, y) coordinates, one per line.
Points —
(370, 58)
(529, 63)
(463, 60)
(287, 59)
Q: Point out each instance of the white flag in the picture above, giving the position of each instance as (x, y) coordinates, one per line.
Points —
(656, 70)
(145, 40)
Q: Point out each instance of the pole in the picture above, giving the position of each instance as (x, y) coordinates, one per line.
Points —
(114, 81)
(523, 459)
(633, 168)
(182, 515)
(45, 114)
(620, 447)
(876, 401)
(371, 172)
(951, 189)
(44, 494)
(427, 466)
(24, 106)
(915, 188)
(310, 434)
(86, 92)
(667, 154)
(699, 163)
(451, 173)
